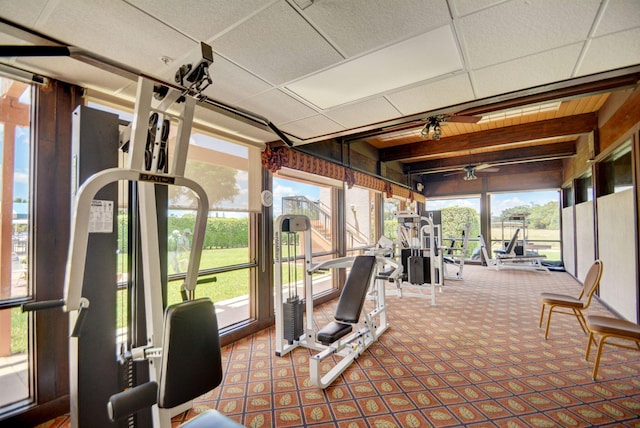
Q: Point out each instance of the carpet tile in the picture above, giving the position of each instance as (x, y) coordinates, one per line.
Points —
(476, 359)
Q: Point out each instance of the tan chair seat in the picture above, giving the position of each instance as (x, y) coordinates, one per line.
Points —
(602, 328)
(561, 299)
(615, 326)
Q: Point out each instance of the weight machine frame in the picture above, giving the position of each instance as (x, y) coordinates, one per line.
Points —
(351, 346)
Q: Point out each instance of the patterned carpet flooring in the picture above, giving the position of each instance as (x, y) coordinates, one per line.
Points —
(477, 358)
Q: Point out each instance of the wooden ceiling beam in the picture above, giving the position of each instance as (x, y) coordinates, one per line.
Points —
(524, 154)
(552, 128)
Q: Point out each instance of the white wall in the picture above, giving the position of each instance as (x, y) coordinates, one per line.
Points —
(617, 249)
(585, 240)
(568, 250)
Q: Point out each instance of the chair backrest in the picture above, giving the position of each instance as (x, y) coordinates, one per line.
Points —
(191, 357)
(591, 282)
(355, 289)
(512, 243)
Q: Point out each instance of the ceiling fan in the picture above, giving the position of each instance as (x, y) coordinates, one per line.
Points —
(432, 124)
(470, 171)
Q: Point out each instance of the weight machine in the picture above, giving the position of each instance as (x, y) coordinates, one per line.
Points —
(338, 339)
(157, 107)
(421, 255)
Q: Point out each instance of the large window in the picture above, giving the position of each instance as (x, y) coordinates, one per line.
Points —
(537, 216)
(15, 370)
(360, 218)
(458, 214)
(615, 173)
(227, 266)
(300, 193)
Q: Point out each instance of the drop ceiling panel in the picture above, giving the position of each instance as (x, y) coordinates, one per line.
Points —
(533, 70)
(116, 30)
(277, 45)
(228, 127)
(402, 64)
(201, 19)
(434, 95)
(72, 71)
(364, 113)
(619, 15)
(612, 51)
(311, 127)
(519, 28)
(277, 106)
(232, 83)
(22, 12)
(465, 7)
(357, 26)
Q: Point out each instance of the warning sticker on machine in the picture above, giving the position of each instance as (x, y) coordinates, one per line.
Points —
(101, 217)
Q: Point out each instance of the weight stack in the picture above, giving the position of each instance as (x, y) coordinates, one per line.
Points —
(292, 316)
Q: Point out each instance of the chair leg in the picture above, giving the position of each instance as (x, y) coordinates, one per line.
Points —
(581, 320)
(541, 315)
(546, 332)
(591, 340)
(598, 354)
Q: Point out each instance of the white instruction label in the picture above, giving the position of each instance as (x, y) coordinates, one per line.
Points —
(101, 217)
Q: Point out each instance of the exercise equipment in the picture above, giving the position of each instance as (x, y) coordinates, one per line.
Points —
(455, 255)
(353, 329)
(149, 166)
(421, 255)
(507, 258)
(190, 365)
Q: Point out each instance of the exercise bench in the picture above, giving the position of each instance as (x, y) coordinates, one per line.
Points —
(338, 335)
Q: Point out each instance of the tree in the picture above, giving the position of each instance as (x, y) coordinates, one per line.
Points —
(219, 182)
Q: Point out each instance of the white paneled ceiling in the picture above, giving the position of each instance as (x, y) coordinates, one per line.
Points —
(281, 58)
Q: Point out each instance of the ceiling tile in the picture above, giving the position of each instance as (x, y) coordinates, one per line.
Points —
(434, 95)
(201, 19)
(117, 31)
(311, 127)
(395, 66)
(76, 72)
(465, 7)
(25, 12)
(619, 15)
(277, 106)
(277, 44)
(364, 113)
(236, 129)
(610, 52)
(231, 83)
(521, 27)
(357, 26)
(533, 70)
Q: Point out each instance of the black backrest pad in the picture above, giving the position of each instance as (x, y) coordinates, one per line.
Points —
(512, 243)
(355, 289)
(191, 359)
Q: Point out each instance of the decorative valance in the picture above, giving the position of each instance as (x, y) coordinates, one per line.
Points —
(274, 158)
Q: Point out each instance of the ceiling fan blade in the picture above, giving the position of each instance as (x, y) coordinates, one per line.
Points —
(464, 119)
(482, 166)
(492, 169)
(453, 173)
